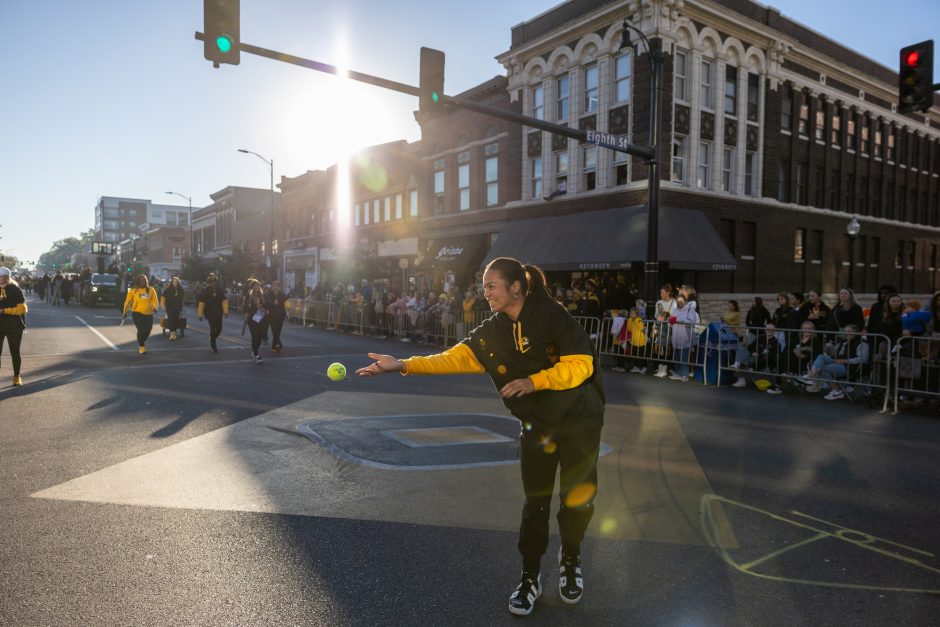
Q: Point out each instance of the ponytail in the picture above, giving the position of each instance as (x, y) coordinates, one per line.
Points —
(531, 278)
(537, 284)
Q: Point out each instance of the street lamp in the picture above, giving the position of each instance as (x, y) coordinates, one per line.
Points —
(270, 164)
(651, 266)
(192, 246)
(852, 229)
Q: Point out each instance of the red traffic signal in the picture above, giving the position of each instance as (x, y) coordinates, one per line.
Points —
(915, 78)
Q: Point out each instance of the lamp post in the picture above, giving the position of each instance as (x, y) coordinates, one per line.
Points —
(270, 164)
(651, 266)
(852, 229)
(192, 245)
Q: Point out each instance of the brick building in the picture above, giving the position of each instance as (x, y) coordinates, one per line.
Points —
(776, 133)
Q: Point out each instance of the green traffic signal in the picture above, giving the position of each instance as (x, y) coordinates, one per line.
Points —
(434, 96)
(223, 43)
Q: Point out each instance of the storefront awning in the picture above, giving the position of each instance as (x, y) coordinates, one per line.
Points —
(455, 253)
(613, 239)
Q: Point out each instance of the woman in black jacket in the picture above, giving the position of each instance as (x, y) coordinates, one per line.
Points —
(12, 319)
(543, 364)
(757, 315)
(256, 317)
(172, 302)
(275, 302)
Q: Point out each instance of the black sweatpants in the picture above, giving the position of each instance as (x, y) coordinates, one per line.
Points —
(144, 324)
(276, 325)
(173, 319)
(13, 337)
(215, 325)
(258, 330)
(540, 456)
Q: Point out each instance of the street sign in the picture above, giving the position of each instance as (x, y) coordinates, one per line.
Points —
(608, 140)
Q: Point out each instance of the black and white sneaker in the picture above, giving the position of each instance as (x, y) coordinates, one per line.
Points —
(522, 600)
(570, 581)
(258, 360)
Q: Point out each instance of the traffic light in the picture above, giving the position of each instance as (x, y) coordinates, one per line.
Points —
(915, 80)
(222, 42)
(431, 80)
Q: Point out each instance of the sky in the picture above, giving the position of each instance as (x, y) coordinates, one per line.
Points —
(114, 97)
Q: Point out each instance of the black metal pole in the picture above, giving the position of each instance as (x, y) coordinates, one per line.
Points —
(651, 266)
(851, 283)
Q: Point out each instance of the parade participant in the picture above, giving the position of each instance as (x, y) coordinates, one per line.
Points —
(275, 301)
(142, 302)
(543, 364)
(172, 302)
(256, 318)
(213, 305)
(12, 319)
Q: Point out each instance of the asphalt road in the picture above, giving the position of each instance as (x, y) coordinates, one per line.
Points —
(178, 488)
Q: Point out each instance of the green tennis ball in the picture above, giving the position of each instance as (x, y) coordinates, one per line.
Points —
(336, 371)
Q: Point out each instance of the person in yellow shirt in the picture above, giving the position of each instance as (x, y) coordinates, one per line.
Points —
(142, 302)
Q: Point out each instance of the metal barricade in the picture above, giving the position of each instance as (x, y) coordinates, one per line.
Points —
(655, 345)
(856, 363)
(916, 361)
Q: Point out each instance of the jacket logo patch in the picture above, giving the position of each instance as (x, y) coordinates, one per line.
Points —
(524, 345)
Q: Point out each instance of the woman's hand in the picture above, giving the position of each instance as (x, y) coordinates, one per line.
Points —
(517, 387)
(381, 365)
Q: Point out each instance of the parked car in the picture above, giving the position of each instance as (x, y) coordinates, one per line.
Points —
(103, 288)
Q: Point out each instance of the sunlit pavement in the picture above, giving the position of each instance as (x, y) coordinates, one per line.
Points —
(186, 487)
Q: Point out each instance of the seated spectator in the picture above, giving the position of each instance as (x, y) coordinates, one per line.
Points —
(762, 355)
(807, 347)
(850, 350)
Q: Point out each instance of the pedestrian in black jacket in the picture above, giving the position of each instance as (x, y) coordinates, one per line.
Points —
(172, 301)
(256, 318)
(275, 301)
(213, 305)
(12, 319)
(543, 364)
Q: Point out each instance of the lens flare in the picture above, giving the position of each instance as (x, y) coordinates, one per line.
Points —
(372, 175)
(548, 446)
(501, 369)
(580, 495)
(608, 525)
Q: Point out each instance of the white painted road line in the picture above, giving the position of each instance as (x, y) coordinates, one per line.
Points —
(98, 333)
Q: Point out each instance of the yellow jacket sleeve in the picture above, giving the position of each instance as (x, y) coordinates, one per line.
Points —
(128, 300)
(570, 372)
(458, 359)
(155, 301)
(225, 306)
(16, 310)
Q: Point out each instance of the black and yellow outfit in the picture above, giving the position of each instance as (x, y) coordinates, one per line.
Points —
(213, 305)
(142, 303)
(12, 324)
(561, 419)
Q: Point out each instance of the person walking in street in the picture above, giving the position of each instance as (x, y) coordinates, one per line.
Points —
(12, 319)
(543, 365)
(57, 287)
(172, 302)
(276, 301)
(256, 318)
(142, 302)
(214, 306)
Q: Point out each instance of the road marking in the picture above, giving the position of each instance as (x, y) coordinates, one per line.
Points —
(98, 333)
(840, 533)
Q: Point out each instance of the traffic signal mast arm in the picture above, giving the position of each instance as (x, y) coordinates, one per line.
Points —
(644, 152)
